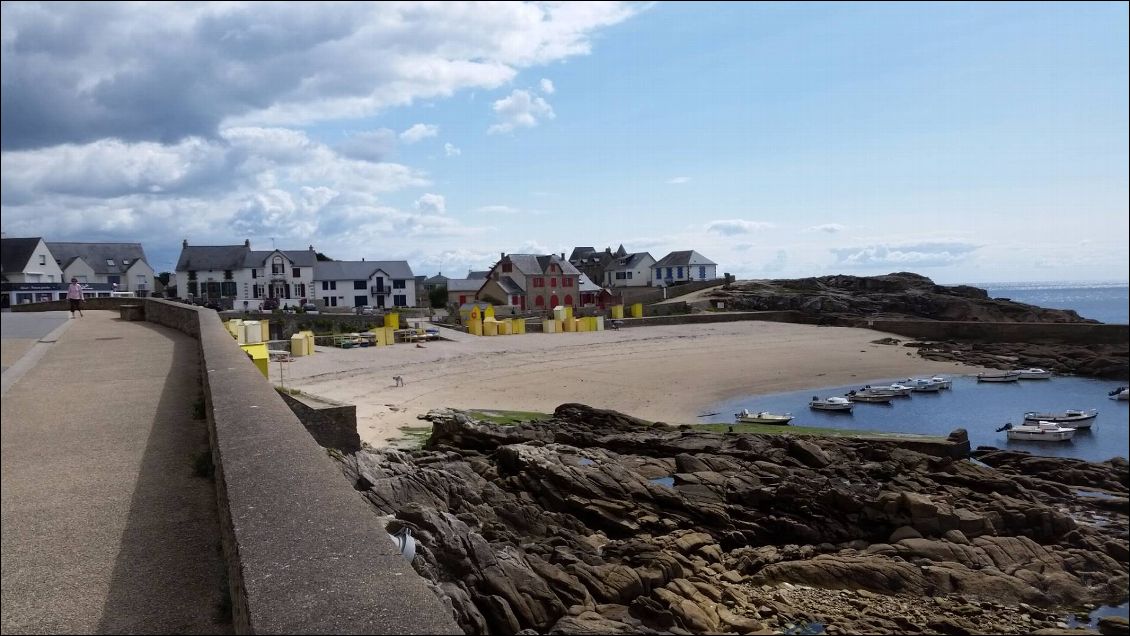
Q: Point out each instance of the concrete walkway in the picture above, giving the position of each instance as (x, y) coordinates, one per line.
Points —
(106, 529)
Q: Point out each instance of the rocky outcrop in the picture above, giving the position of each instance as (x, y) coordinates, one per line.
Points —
(596, 522)
(1092, 360)
(902, 295)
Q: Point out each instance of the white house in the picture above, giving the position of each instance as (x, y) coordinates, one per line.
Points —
(631, 270)
(237, 277)
(381, 284)
(683, 266)
(120, 264)
(30, 273)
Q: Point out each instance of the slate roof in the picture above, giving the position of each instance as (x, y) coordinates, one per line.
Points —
(16, 252)
(527, 264)
(437, 279)
(586, 285)
(96, 255)
(300, 258)
(581, 252)
(213, 257)
(510, 286)
(628, 262)
(360, 270)
(476, 275)
(464, 284)
(683, 258)
(566, 266)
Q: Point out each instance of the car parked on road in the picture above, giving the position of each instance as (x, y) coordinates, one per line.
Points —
(310, 308)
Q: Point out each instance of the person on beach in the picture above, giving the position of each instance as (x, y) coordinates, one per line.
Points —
(74, 295)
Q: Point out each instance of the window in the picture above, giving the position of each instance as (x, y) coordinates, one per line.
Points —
(254, 273)
(228, 274)
(192, 288)
(109, 262)
(398, 284)
(702, 272)
(514, 300)
(668, 272)
(296, 272)
(680, 273)
(255, 291)
(114, 280)
(567, 281)
(619, 275)
(629, 276)
(568, 300)
(507, 267)
(358, 284)
(141, 280)
(332, 300)
(43, 259)
(553, 282)
(400, 300)
(462, 299)
(539, 281)
(227, 289)
(329, 284)
(277, 266)
(658, 273)
(539, 301)
(125, 261)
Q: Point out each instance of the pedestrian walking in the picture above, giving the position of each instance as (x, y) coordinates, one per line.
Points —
(74, 295)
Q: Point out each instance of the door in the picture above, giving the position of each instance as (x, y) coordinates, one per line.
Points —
(380, 301)
(360, 301)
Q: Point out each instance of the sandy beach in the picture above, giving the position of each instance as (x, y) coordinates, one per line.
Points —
(668, 373)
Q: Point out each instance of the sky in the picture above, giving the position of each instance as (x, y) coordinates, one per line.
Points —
(966, 142)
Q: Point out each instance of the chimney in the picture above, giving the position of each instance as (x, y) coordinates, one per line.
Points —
(562, 255)
(184, 243)
(501, 255)
(311, 248)
(247, 242)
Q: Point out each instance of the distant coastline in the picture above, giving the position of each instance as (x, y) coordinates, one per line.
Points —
(1106, 301)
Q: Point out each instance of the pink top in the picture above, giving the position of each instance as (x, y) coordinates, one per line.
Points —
(74, 291)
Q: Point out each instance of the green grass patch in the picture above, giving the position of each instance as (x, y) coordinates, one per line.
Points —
(413, 437)
(506, 418)
(773, 429)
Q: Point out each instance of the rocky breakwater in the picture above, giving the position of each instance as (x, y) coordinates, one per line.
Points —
(853, 300)
(597, 522)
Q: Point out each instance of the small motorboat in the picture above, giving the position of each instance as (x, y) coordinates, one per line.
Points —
(896, 389)
(1076, 417)
(945, 382)
(1034, 374)
(1038, 432)
(875, 397)
(762, 417)
(834, 403)
(1121, 394)
(922, 385)
(1005, 376)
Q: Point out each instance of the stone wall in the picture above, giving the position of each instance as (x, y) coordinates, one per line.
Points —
(648, 295)
(89, 304)
(304, 553)
(332, 424)
(706, 317)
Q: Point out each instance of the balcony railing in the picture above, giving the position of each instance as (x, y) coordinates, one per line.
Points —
(378, 291)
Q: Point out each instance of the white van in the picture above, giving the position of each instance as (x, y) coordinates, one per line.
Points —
(123, 294)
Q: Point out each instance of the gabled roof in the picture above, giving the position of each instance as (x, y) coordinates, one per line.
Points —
(581, 252)
(300, 258)
(477, 274)
(631, 261)
(526, 264)
(464, 284)
(437, 279)
(213, 257)
(566, 266)
(510, 286)
(99, 256)
(16, 252)
(360, 270)
(683, 258)
(586, 284)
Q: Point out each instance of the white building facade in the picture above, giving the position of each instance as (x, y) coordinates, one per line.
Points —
(237, 277)
(380, 284)
(683, 266)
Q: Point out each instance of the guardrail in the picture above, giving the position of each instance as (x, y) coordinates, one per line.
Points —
(304, 552)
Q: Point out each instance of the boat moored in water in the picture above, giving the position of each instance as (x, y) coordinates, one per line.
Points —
(763, 417)
(1034, 374)
(945, 382)
(1038, 432)
(875, 397)
(1077, 418)
(922, 385)
(834, 403)
(1006, 376)
(1121, 394)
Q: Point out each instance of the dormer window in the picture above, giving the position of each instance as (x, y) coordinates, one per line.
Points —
(125, 261)
(110, 262)
(277, 265)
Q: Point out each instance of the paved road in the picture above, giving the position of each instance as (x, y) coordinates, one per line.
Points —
(105, 527)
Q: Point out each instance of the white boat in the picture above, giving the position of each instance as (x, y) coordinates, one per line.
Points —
(834, 403)
(762, 417)
(864, 395)
(1003, 376)
(922, 385)
(1039, 432)
(1034, 374)
(945, 382)
(896, 389)
(1121, 393)
(1076, 417)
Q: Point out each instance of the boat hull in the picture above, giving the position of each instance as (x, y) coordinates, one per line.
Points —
(998, 378)
(1040, 436)
(758, 420)
(832, 407)
(1083, 420)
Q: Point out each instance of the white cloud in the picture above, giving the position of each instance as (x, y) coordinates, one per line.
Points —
(451, 150)
(547, 86)
(520, 109)
(736, 226)
(829, 228)
(372, 145)
(533, 247)
(497, 209)
(925, 254)
(431, 204)
(678, 180)
(419, 132)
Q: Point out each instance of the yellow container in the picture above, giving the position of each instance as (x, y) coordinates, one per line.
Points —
(378, 336)
(298, 345)
(568, 313)
(309, 342)
(637, 310)
(505, 327)
(490, 327)
(390, 335)
(475, 327)
(617, 312)
(519, 325)
(570, 326)
(548, 326)
(392, 319)
(559, 313)
(266, 325)
(582, 324)
(258, 354)
(488, 312)
(599, 321)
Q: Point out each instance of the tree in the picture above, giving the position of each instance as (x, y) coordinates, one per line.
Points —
(438, 297)
(164, 277)
(322, 257)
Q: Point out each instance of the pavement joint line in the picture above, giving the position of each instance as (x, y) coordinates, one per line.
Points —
(27, 362)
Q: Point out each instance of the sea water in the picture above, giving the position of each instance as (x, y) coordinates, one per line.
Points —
(978, 407)
(1103, 301)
